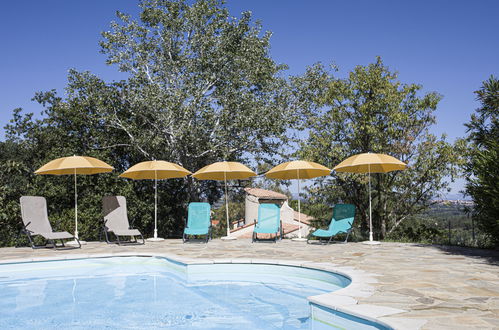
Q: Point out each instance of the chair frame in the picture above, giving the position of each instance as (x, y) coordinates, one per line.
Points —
(133, 238)
(31, 238)
(330, 240)
(322, 239)
(279, 232)
(185, 237)
(53, 242)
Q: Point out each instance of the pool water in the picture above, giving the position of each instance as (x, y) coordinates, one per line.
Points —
(149, 293)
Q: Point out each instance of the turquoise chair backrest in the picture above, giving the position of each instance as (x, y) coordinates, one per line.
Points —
(343, 215)
(269, 216)
(198, 215)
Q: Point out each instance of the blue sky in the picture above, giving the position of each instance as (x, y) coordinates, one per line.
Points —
(447, 46)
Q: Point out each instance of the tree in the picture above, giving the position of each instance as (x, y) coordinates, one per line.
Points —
(482, 171)
(201, 87)
(201, 81)
(371, 111)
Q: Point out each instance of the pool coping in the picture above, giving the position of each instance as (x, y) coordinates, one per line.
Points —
(342, 300)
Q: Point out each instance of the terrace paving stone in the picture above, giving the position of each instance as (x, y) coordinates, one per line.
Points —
(435, 287)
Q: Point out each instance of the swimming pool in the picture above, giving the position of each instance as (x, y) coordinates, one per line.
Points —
(150, 292)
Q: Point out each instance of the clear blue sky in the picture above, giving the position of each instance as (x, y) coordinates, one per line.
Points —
(447, 46)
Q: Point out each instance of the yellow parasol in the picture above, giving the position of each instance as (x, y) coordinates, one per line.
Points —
(297, 170)
(155, 170)
(74, 165)
(370, 163)
(225, 171)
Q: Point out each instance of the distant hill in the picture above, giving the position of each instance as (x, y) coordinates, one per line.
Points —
(456, 197)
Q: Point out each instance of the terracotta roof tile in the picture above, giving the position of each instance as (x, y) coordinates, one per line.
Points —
(303, 217)
(263, 193)
(286, 228)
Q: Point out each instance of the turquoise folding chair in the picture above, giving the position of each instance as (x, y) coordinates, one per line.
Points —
(269, 221)
(198, 221)
(343, 215)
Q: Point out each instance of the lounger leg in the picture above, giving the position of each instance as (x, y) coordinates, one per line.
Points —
(118, 238)
(21, 233)
(79, 244)
(53, 243)
(143, 241)
(346, 239)
(106, 235)
(31, 241)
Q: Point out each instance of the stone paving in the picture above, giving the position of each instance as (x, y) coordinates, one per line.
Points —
(436, 287)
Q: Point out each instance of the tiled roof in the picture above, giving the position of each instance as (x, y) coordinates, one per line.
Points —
(263, 193)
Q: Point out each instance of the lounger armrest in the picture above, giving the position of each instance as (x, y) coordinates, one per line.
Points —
(25, 227)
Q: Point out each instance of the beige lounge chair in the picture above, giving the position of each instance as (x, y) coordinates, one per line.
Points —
(36, 222)
(116, 221)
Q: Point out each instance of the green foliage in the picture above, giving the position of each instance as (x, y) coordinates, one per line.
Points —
(445, 224)
(236, 212)
(201, 87)
(202, 82)
(371, 111)
(418, 231)
(481, 168)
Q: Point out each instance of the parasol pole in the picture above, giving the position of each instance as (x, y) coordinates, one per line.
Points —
(155, 204)
(76, 208)
(370, 211)
(299, 207)
(226, 205)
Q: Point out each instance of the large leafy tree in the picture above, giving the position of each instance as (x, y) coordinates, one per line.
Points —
(200, 87)
(202, 82)
(371, 111)
(481, 166)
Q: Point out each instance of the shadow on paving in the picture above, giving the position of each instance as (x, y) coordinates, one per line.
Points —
(489, 256)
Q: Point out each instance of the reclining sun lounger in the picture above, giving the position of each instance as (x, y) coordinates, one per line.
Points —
(341, 222)
(269, 222)
(198, 221)
(116, 221)
(36, 222)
